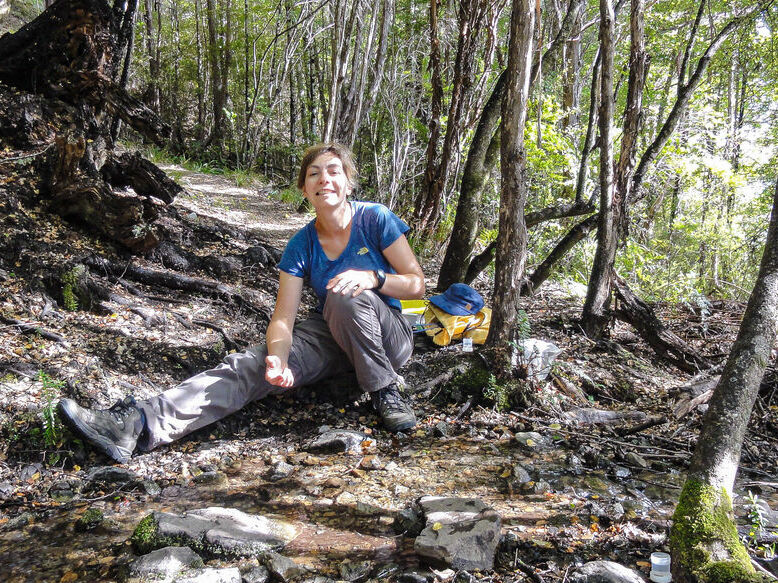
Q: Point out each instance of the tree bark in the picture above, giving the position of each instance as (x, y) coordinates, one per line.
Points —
(704, 538)
(218, 77)
(423, 205)
(595, 317)
(512, 238)
(598, 293)
(152, 95)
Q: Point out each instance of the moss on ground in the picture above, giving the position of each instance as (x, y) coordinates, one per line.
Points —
(704, 539)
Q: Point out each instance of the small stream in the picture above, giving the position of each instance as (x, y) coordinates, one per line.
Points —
(344, 508)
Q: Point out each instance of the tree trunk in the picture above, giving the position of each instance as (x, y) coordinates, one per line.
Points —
(340, 42)
(480, 160)
(481, 157)
(571, 88)
(423, 205)
(595, 317)
(218, 90)
(704, 539)
(512, 237)
(597, 302)
(152, 95)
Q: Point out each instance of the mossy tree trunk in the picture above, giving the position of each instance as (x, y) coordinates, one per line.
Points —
(703, 539)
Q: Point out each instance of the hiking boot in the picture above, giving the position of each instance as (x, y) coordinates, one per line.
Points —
(395, 411)
(113, 431)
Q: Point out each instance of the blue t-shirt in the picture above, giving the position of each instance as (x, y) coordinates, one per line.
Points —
(373, 228)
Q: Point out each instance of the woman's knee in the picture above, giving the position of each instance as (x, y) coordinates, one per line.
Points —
(346, 306)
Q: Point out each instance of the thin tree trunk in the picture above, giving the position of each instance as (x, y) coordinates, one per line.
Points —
(200, 128)
(125, 44)
(586, 150)
(152, 95)
(571, 89)
(481, 157)
(483, 259)
(177, 101)
(595, 316)
(512, 237)
(598, 295)
(423, 205)
(703, 521)
(340, 43)
(575, 235)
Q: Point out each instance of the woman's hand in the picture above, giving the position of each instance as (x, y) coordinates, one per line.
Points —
(278, 373)
(352, 282)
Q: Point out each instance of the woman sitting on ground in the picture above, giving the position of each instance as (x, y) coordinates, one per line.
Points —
(358, 261)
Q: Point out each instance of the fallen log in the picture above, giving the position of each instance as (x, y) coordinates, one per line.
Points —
(634, 311)
(256, 302)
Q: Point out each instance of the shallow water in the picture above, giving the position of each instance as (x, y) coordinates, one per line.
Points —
(344, 512)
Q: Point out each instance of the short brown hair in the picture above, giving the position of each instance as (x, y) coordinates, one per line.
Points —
(339, 150)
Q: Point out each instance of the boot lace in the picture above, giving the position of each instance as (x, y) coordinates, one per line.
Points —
(390, 399)
(122, 409)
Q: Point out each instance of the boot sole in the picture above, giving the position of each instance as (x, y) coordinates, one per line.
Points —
(71, 419)
(401, 426)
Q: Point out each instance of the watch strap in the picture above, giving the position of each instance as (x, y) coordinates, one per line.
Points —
(380, 276)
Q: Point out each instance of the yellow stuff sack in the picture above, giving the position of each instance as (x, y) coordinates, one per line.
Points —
(444, 327)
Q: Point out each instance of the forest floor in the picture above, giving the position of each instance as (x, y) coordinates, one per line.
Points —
(600, 487)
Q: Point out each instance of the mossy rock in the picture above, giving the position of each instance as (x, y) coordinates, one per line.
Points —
(90, 520)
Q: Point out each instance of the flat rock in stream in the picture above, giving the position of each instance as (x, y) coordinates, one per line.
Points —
(591, 416)
(226, 575)
(213, 532)
(461, 533)
(165, 562)
(606, 572)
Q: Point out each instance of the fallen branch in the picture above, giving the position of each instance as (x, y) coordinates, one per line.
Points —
(26, 328)
(641, 316)
(229, 343)
(648, 423)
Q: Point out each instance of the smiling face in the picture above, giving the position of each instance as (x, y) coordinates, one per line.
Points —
(326, 183)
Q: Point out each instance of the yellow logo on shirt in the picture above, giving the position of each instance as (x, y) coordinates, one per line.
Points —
(363, 251)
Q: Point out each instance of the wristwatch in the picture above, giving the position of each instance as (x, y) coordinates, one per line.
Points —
(380, 276)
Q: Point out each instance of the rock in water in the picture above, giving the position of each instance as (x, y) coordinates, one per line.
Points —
(461, 533)
(166, 561)
(606, 572)
(337, 441)
(214, 531)
(283, 568)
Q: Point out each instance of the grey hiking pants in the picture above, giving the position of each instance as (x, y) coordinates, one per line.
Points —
(361, 334)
